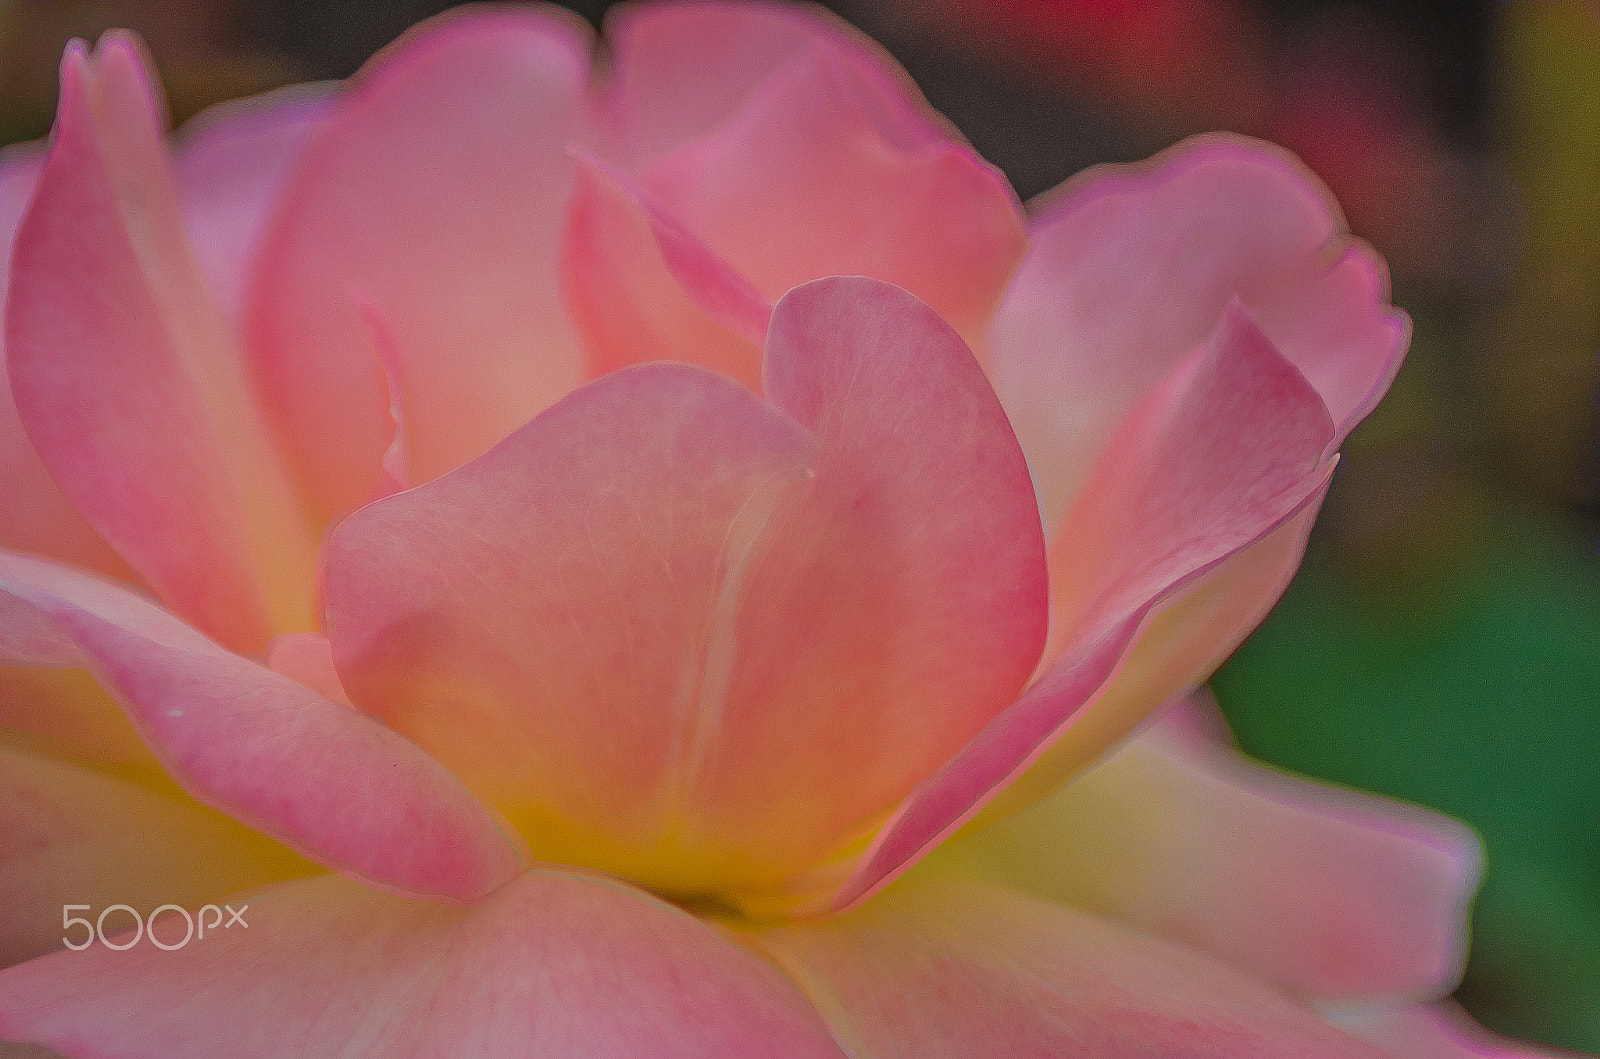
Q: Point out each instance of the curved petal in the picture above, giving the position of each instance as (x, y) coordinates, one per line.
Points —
(68, 835)
(640, 287)
(230, 165)
(267, 750)
(308, 658)
(1131, 267)
(1228, 448)
(679, 70)
(1325, 892)
(1435, 1031)
(436, 190)
(574, 685)
(124, 375)
(811, 179)
(552, 965)
(955, 969)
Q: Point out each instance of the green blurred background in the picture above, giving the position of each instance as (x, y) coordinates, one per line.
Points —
(1442, 642)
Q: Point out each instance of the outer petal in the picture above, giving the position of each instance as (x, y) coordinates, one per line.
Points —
(815, 177)
(640, 287)
(1434, 1031)
(947, 969)
(681, 69)
(1229, 447)
(553, 964)
(1325, 892)
(262, 747)
(232, 161)
(436, 190)
(69, 835)
(725, 661)
(122, 372)
(1131, 267)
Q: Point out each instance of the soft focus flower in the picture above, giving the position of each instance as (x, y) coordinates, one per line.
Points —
(616, 467)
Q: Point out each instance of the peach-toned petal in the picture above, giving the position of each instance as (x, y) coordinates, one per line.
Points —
(955, 969)
(641, 287)
(549, 620)
(1435, 1031)
(1230, 446)
(230, 165)
(1326, 892)
(308, 658)
(123, 373)
(812, 179)
(552, 965)
(267, 750)
(1131, 267)
(681, 69)
(436, 190)
(69, 836)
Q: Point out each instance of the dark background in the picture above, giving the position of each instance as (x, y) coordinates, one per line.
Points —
(1442, 643)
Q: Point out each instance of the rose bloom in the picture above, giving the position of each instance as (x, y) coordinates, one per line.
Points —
(632, 552)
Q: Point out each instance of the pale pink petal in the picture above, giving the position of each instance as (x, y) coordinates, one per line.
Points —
(1435, 1031)
(230, 166)
(810, 179)
(681, 69)
(1326, 892)
(1230, 447)
(549, 619)
(552, 965)
(640, 287)
(725, 660)
(70, 836)
(267, 750)
(308, 658)
(436, 188)
(1131, 267)
(123, 373)
(396, 460)
(934, 969)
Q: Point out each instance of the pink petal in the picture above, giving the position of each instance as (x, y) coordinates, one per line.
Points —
(1325, 892)
(1228, 448)
(308, 658)
(814, 177)
(37, 516)
(1435, 1031)
(721, 661)
(640, 287)
(68, 835)
(547, 619)
(679, 70)
(230, 167)
(954, 969)
(123, 374)
(1130, 269)
(320, 777)
(554, 965)
(436, 189)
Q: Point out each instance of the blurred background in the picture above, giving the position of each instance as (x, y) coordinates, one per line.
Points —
(1442, 642)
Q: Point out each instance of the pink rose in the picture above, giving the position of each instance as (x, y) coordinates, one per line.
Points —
(612, 689)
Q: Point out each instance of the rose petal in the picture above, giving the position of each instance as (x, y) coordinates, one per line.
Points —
(308, 658)
(679, 70)
(1434, 1031)
(267, 750)
(554, 964)
(813, 178)
(1131, 267)
(1229, 447)
(548, 618)
(121, 369)
(69, 835)
(640, 287)
(1323, 891)
(435, 189)
(230, 166)
(955, 969)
